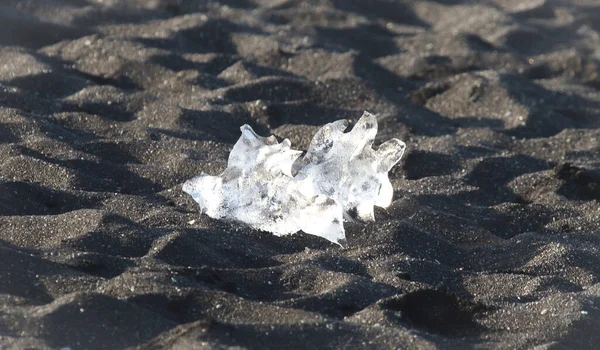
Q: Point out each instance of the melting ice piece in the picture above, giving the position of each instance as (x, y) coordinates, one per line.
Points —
(269, 187)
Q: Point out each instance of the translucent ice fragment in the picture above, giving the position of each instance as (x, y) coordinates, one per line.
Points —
(340, 173)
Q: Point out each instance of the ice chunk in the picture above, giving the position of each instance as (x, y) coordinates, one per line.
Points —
(268, 186)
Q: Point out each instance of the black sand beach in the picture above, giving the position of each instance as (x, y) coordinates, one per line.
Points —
(107, 107)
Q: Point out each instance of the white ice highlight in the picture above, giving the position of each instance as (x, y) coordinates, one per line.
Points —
(269, 187)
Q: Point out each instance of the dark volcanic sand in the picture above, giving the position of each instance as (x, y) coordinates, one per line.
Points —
(107, 107)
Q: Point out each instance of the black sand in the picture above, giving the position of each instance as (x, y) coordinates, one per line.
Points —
(107, 107)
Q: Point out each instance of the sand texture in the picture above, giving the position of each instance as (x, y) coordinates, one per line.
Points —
(107, 107)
